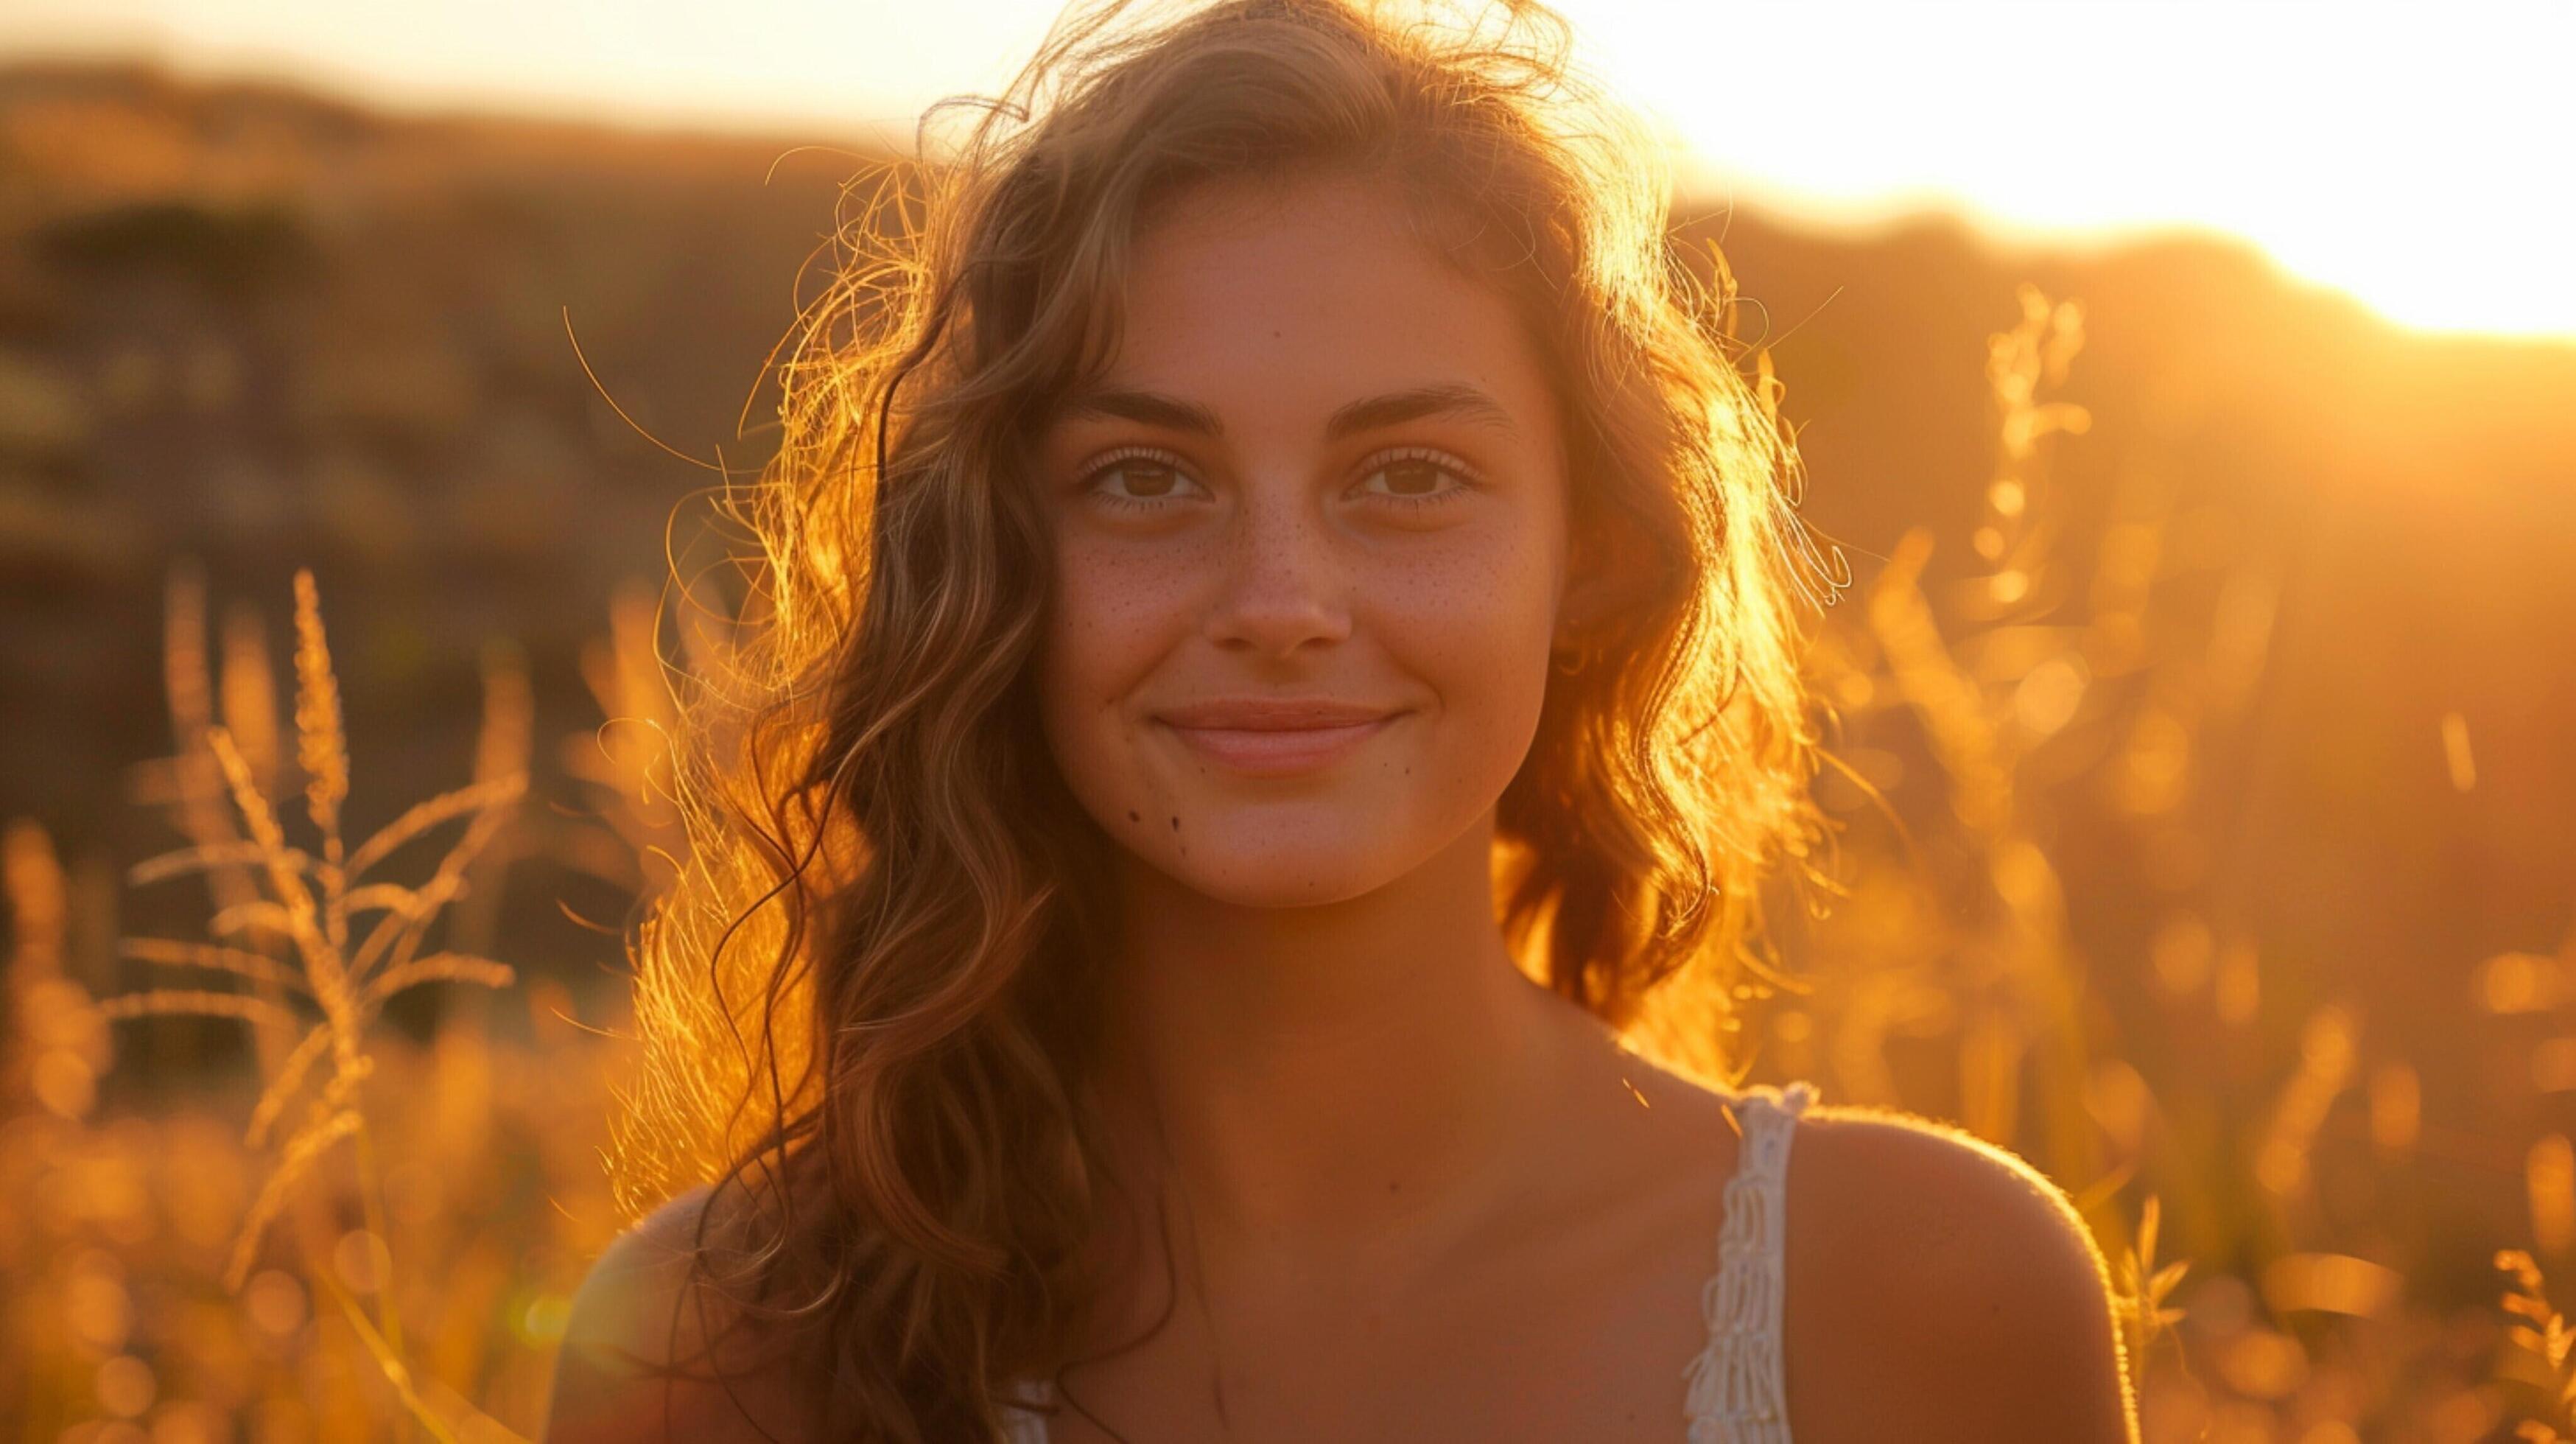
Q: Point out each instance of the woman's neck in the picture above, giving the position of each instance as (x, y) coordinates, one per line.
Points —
(1334, 1080)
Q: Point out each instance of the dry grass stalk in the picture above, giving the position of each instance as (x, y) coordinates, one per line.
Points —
(60, 1045)
(328, 991)
(2000, 973)
(2546, 1337)
(2145, 1285)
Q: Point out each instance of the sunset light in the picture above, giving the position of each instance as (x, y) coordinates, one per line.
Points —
(2414, 158)
(801, 717)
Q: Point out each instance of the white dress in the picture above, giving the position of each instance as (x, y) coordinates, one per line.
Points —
(1737, 1390)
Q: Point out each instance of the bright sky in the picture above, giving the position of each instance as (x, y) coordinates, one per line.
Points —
(2419, 156)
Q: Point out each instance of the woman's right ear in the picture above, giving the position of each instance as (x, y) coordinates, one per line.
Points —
(1579, 605)
(1577, 645)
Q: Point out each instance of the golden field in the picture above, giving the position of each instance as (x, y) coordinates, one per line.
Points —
(2203, 715)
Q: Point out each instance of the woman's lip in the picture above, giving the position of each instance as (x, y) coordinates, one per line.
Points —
(1279, 751)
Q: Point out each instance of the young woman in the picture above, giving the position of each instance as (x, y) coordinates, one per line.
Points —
(1273, 692)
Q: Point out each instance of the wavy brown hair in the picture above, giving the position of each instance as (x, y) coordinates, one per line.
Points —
(869, 1004)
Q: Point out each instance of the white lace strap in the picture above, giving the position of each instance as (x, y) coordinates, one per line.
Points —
(1025, 1420)
(1738, 1392)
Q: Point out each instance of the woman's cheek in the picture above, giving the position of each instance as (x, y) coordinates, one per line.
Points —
(1108, 626)
(1475, 626)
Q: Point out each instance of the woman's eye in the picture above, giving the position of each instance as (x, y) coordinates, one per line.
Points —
(1415, 480)
(1153, 481)
(1138, 481)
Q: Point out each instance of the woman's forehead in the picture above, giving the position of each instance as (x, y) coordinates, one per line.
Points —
(1317, 290)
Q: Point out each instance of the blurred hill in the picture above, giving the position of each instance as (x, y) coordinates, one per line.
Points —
(262, 329)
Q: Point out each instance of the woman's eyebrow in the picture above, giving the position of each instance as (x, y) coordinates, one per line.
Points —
(1454, 400)
(1150, 408)
(1451, 399)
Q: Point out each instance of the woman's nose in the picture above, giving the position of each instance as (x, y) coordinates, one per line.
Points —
(1285, 584)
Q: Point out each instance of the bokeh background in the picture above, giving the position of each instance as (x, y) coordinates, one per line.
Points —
(2192, 392)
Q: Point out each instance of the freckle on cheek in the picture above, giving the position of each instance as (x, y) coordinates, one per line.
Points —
(1135, 816)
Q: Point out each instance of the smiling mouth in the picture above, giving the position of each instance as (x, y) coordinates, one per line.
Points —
(1279, 751)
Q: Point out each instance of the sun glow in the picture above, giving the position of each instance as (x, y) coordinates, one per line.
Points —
(2420, 161)
(2417, 160)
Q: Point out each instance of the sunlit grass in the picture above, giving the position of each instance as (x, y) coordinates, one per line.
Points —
(308, 943)
(335, 976)
(355, 1233)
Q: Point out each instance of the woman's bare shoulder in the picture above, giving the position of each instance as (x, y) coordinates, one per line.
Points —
(636, 1362)
(1940, 1288)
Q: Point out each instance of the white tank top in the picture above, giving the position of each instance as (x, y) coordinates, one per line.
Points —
(1738, 1393)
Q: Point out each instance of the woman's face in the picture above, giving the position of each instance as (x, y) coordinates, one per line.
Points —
(1310, 535)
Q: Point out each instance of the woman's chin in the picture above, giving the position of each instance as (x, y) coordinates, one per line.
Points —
(1270, 875)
